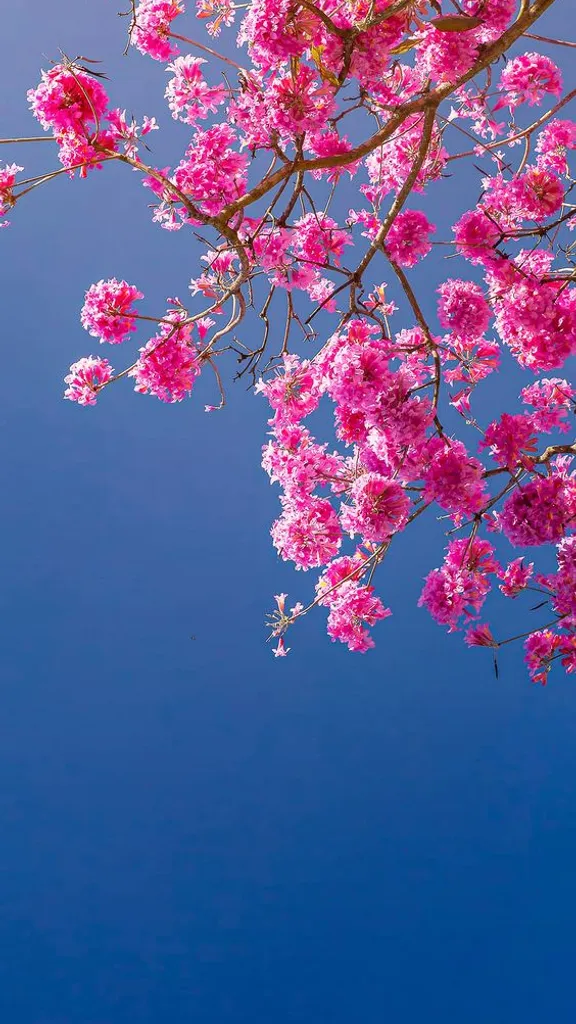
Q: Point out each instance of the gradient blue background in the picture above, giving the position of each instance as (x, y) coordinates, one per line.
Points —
(190, 830)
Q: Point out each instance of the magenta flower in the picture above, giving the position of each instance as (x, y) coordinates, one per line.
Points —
(86, 378)
(107, 312)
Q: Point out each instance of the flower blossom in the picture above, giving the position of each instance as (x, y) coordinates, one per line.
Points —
(86, 378)
(527, 79)
(168, 364)
(107, 312)
(189, 95)
(152, 24)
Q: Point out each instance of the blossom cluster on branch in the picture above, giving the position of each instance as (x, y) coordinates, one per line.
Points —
(371, 104)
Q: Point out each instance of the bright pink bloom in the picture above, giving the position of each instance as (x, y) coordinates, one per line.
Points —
(307, 533)
(563, 584)
(294, 392)
(168, 365)
(299, 102)
(445, 56)
(463, 309)
(541, 648)
(480, 636)
(512, 441)
(318, 238)
(7, 181)
(496, 16)
(476, 359)
(552, 398)
(540, 511)
(409, 237)
(339, 571)
(476, 235)
(297, 463)
(459, 588)
(527, 79)
(68, 98)
(212, 174)
(329, 143)
(153, 23)
(108, 312)
(380, 508)
(189, 95)
(553, 142)
(535, 316)
(453, 478)
(389, 166)
(86, 378)
(280, 651)
(355, 608)
(515, 577)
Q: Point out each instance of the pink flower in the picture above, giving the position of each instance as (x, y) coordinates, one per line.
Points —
(496, 16)
(86, 378)
(222, 12)
(339, 571)
(294, 460)
(553, 142)
(445, 56)
(541, 648)
(409, 237)
(552, 398)
(7, 181)
(380, 508)
(168, 365)
(293, 393)
(476, 359)
(153, 21)
(536, 316)
(459, 588)
(540, 511)
(463, 309)
(280, 651)
(77, 152)
(107, 312)
(563, 584)
(298, 102)
(475, 236)
(68, 99)
(389, 166)
(480, 636)
(512, 441)
(189, 95)
(307, 533)
(355, 608)
(329, 143)
(212, 174)
(318, 238)
(527, 79)
(515, 577)
(453, 478)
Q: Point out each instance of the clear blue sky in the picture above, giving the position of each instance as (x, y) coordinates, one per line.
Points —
(192, 831)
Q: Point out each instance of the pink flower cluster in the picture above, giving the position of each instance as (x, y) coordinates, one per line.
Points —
(152, 25)
(8, 175)
(108, 312)
(168, 364)
(385, 98)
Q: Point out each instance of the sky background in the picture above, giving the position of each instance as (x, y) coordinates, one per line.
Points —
(191, 830)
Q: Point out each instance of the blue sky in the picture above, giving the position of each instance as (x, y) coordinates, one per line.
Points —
(192, 831)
